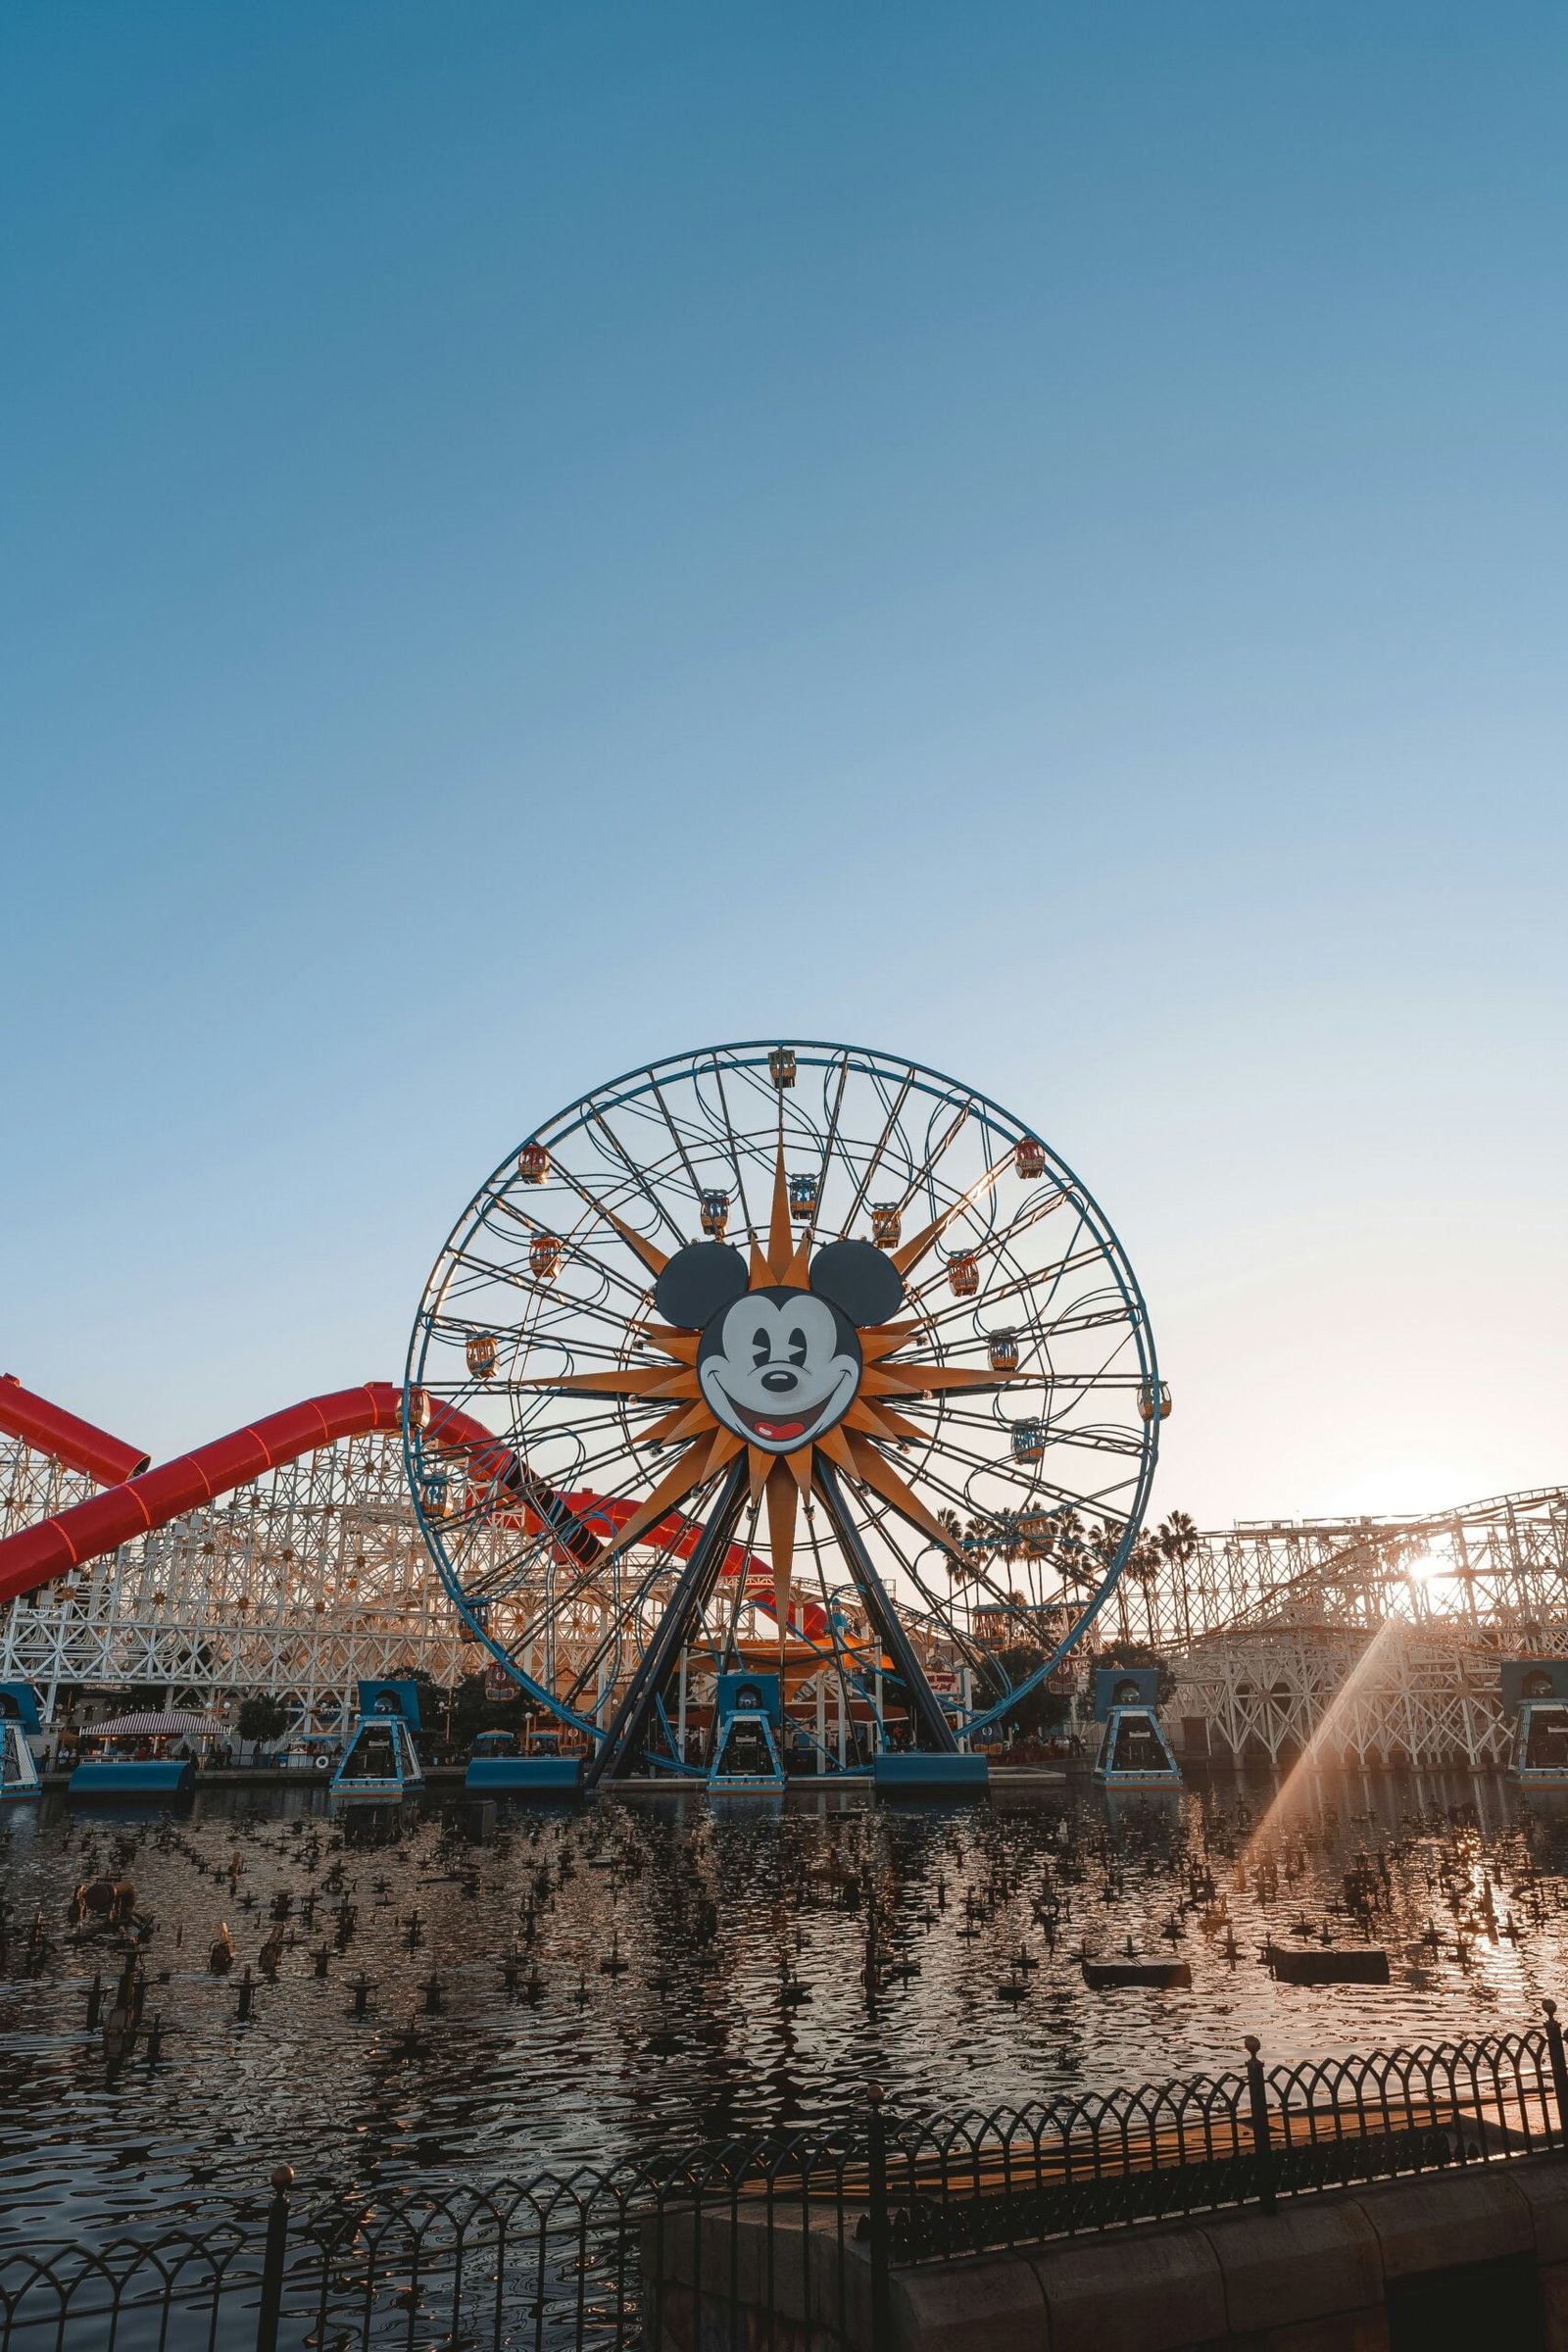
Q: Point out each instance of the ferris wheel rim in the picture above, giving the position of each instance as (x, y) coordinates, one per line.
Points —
(620, 1089)
(752, 1054)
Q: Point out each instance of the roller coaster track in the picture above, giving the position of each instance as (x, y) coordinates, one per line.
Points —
(285, 1554)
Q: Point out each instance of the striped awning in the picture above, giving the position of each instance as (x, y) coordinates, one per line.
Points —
(153, 1727)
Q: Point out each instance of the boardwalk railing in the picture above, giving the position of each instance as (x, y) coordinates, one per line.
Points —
(709, 2248)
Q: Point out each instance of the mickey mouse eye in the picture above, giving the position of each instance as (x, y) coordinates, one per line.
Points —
(796, 1346)
(760, 1342)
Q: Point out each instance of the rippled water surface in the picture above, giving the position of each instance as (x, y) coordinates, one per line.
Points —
(686, 1970)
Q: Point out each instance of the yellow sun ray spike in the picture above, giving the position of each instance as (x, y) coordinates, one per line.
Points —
(835, 1446)
(924, 1380)
(797, 1274)
(912, 1252)
(675, 1485)
(650, 1380)
(781, 1503)
(758, 1465)
(873, 1471)
(881, 1422)
(656, 1260)
(680, 1343)
(780, 1241)
(886, 1339)
(726, 1445)
(684, 1422)
(800, 1462)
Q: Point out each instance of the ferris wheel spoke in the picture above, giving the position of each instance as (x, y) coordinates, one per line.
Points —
(1040, 1491)
(621, 1617)
(890, 1126)
(733, 1153)
(879, 1607)
(938, 1151)
(912, 1569)
(829, 1140)
(658, 1661)
(1016, 1286)
(638, 1180)
(550, 1303)
(675, 1137)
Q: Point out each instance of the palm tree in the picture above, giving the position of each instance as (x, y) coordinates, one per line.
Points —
(1179, 1541)
(1101, 1548)
(1144, 1563)
(1070, 1549)
(1177, 1538)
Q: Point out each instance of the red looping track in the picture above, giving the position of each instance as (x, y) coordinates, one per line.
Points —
(48, 1429)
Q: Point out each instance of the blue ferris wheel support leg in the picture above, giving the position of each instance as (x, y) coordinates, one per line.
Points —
(884, 1616)
(619, 1747)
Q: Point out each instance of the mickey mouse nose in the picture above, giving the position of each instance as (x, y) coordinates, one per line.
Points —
(780, 1382)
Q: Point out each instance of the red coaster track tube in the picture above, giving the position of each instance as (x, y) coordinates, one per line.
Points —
(491, 1463)
(48, 1429)
(36, 1555)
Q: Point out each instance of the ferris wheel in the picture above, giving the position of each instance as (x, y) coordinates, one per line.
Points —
(791, 1342)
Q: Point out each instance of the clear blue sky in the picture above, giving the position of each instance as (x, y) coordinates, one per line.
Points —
(536, 536)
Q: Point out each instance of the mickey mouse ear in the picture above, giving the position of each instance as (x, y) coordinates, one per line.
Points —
(859, 1279)
(698, 1281)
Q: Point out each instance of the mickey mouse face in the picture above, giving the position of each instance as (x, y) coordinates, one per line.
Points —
(779, 1367)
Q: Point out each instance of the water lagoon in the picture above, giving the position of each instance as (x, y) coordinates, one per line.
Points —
(545, 1988)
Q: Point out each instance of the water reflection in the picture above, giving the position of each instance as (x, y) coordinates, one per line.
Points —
(550, 1988)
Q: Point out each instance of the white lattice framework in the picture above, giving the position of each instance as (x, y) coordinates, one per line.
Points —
(1382, 1637)
(1424, 1695)
(1379, 1638)
(297, 1586)
(1500, 1562)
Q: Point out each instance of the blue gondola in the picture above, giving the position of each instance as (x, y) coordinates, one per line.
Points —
(746, 1753)
(381, 1760)
(1535, 1692)
(18, 1718)
(1134, 1752)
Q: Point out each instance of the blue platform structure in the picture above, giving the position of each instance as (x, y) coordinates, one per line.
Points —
(1134, 1752)
(136, 1776)
(525, 1775)
(1535, 1692)
(495, 1769)
(917, 1772)
(381, 1760)
(18, 1717)
(748, 1711)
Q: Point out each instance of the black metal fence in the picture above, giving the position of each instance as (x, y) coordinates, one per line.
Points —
(743, 2243)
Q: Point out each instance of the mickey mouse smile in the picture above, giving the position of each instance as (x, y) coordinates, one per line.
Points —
(779, 1367)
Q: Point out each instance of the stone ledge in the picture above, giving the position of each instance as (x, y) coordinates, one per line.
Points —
(1313, 2259)
(1309, 2277)
(1140, 2291)
(1437, 2220)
